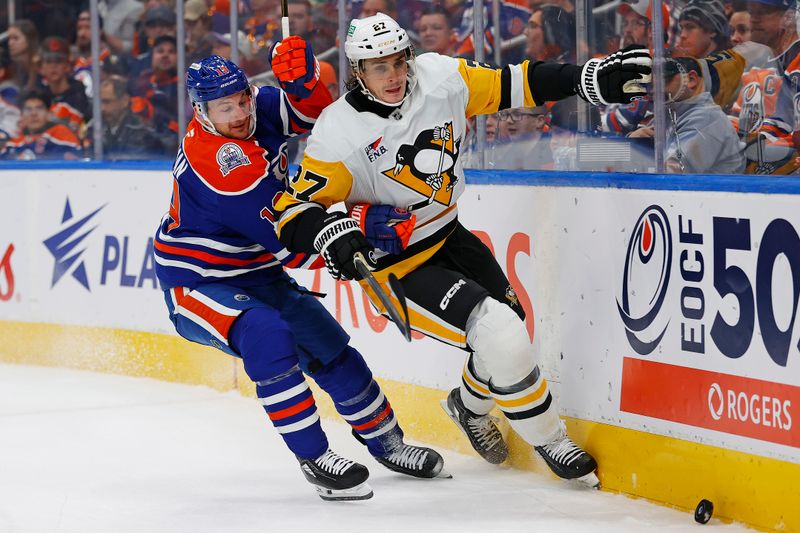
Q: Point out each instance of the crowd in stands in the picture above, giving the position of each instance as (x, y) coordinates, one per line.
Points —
(732, 103)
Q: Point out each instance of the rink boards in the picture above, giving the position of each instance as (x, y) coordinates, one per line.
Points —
(667, 318)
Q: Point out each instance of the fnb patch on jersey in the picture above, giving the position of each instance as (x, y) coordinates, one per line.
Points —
(375, 149)
(231, 156)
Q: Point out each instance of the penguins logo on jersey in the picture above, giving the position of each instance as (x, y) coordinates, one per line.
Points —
(427, 166)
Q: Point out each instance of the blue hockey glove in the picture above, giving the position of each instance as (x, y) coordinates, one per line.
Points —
(387, 227)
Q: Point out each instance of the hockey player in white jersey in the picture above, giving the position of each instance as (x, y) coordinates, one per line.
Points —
(395, 140)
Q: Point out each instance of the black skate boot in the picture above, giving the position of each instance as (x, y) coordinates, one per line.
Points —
(337, 478)
(481, 430)
(568, 461)
(414, 461)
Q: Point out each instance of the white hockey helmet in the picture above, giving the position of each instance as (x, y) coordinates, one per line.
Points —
(378, 36)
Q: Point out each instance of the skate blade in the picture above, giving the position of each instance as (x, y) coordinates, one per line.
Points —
(452, 416)
(359, 492)
(589, 480)
(444, 474)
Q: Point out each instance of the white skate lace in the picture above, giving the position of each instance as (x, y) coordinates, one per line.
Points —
(409, 457)
(485, 431)
(335, 464)
(563, 450)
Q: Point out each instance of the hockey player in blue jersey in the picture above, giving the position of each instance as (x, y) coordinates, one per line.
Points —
(221, 265)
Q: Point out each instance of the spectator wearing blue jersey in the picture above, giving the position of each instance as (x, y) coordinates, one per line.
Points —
(221, 265)
(40, 137)
(70, 105)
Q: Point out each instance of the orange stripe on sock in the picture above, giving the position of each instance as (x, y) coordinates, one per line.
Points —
(293, 410)
(375, 421)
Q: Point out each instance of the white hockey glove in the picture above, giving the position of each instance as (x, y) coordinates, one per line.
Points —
(616, 79)
(338, 242)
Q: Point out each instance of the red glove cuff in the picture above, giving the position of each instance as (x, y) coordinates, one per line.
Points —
(359, 214)
(405, 229)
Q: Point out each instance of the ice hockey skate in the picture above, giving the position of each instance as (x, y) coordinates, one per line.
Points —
(337, 478)
(481, 430)
(568, 461)
(416, 461)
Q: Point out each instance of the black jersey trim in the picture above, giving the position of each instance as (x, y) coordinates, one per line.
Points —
(362, 104)
(505, 89)
(550, 82)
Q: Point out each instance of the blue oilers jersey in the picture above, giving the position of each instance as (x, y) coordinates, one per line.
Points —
(219, 226)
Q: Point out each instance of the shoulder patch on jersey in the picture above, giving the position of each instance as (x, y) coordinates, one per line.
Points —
(226, 166)
(375, 149)
(231, 156)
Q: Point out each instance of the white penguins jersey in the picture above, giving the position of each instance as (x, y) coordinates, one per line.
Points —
(412, 159)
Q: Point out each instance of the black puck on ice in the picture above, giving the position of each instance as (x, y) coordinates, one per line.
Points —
(703, 511)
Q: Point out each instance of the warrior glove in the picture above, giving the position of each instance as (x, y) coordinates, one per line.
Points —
(295, 66)
(386, 227)
(616, 79)
(339, 240)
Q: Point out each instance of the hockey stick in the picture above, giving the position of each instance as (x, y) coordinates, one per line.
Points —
(444, 134)
(285, 18)
(399, 293)
(402, 324)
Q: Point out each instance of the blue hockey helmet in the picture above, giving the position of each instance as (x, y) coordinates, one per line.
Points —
(214, 77)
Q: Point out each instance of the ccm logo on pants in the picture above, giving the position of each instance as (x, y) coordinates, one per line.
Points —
(450, 293)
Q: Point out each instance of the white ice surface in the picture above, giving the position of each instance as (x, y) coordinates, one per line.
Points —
(90, 453)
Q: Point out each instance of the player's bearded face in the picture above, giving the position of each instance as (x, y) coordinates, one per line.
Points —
(232, 114)
(385, 77)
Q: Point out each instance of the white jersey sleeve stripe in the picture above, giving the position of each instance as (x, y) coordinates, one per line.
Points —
(517, 87)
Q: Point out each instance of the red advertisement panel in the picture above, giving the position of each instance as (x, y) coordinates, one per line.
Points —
(732, 404)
